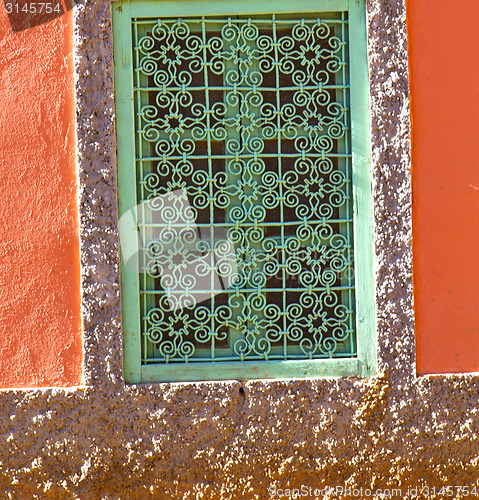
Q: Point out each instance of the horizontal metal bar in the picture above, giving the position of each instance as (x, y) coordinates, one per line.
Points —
(227, 225)
(244, 156)
(222, 359)
(239, 20)
(250, 290)
(223, 88)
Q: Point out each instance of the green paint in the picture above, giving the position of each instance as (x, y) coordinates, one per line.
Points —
(261, 160)
(126, 179)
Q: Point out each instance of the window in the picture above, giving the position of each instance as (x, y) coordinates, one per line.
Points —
(244, 189)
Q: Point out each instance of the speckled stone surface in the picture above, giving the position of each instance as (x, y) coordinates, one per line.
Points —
(212, 440)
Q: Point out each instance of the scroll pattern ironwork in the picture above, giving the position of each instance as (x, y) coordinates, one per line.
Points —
(249, 117)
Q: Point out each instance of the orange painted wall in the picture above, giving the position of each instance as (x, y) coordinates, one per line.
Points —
(444, 78)
(40, 322)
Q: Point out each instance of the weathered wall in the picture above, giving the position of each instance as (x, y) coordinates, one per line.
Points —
(445, 178)
(212, 440)
(40, 323)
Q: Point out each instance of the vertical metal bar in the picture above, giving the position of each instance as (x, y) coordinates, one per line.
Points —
(343, 164)
(210, 174)
(280, 177)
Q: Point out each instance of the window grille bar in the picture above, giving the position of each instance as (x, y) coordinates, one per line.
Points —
(238, 20)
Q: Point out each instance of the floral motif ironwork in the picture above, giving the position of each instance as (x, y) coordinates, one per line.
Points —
(249, 117)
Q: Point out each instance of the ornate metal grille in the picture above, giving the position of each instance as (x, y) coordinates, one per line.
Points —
(249, 116)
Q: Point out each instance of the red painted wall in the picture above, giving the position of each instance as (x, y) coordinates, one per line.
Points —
(444, 77)
(40, 322)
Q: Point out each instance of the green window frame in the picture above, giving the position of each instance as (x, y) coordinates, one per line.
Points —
(280, 135)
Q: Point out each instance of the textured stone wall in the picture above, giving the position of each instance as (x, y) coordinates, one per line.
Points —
(232, 440)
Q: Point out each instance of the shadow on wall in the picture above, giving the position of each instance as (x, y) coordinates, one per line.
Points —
(24, 14)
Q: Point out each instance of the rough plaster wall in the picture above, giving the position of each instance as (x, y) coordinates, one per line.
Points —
(211, 440)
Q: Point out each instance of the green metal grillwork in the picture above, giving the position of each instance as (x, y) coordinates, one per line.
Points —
(261, 123)
(250, 117)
